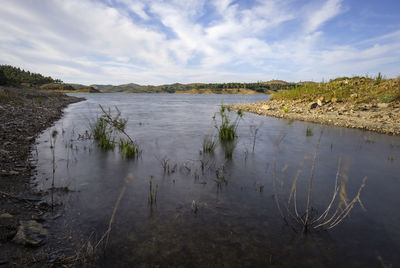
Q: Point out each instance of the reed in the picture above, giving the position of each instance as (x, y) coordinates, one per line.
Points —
(227, 127)
(338, 208)
(209, 144)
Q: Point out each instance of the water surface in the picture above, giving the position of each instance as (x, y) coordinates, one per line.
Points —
(200, 220)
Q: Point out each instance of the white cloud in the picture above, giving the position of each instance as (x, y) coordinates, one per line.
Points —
(318, 16)
(179, 41)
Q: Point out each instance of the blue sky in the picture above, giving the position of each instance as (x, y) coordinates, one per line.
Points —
(157, 42)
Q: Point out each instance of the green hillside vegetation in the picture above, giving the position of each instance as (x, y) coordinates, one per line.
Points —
(14, 76)
(216, 88)
(356, 89)
(87, 89)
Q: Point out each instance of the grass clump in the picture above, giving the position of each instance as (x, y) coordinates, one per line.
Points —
(128, 149)
(209, 144)
(152, 199)
(103, 134)
(309, 132)
(227, 127)
(108, 127)
(228, 148)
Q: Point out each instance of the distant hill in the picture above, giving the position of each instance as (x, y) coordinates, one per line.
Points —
(276, 82)
(199, 88)
(56, 86)
(14, 76)
(86, 89)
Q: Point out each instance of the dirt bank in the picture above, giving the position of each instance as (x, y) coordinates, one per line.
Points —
(378, 117)
(23, 219)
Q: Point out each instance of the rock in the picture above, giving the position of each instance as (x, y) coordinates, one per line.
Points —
(319, 102)
(6, 216)
(354, 95)
(265, 107)
(30, 233)
(334, 100)
(13, 172)
(313, 105)
(383, 105)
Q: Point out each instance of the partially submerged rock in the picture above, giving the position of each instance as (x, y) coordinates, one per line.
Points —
(30, 233)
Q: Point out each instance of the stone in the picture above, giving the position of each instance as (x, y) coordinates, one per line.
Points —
(313, 105)
(319, 102)
(354, 95)
(334, 100)
(30, 233)
(6, 216)
(383, 105)
(265, 107)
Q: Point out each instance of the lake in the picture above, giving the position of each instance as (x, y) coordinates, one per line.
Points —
(210, 211)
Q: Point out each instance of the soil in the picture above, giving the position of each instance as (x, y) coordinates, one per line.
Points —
(377, 117)
(25, 220)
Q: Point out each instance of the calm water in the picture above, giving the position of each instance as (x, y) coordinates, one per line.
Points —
(237, 222)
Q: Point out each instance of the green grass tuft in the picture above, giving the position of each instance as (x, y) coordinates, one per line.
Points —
(209, 144)
(309, 132)
(227, 127)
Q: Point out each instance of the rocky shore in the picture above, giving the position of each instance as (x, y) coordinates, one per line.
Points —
(378, 117)
(23, 115)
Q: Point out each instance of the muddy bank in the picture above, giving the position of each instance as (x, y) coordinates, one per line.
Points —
(24, 216)
(378, 117)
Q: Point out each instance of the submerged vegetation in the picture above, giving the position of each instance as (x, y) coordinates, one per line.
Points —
(209, 144)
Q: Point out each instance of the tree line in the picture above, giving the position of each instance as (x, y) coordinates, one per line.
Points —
(10, 75)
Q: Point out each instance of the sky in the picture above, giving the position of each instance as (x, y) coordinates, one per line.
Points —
(185, 41)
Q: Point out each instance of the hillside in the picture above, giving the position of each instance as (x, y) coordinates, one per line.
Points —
(345, 89)
(13, 76)
(358, 102)
(200, 88)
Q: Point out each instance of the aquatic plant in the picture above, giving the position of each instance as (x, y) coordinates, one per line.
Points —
(330, 217)
(227, 127)
(209, 144)
(128, 148)
(106, 235)
(107, 127)
(166, 165)
(103, 134)
(152, 199)
(228, 147)
(254, 133)
(309, 132)
(261, 187)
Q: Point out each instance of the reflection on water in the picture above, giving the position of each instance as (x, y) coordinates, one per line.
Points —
(214, 212)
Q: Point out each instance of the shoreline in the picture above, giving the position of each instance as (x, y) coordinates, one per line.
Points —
(378, 117)
(24, 114)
